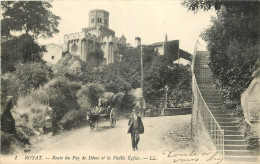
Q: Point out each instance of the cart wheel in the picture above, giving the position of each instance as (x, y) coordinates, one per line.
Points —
(113, 117)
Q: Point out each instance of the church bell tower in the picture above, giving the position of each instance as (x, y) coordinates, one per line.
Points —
(98, 17)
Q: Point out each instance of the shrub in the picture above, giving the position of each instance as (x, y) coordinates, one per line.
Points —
(117, 100)
(252, 137)
(89, 94)
(70, 67)
(29, 113)
(60, 94)
(9, 144)
(72, 119)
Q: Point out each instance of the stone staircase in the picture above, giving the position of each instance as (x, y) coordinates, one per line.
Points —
(234, 141)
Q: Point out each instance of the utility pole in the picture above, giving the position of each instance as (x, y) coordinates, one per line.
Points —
(179, 53)
(142, 68)
(142, 79)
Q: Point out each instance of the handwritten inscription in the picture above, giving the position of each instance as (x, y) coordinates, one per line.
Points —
(192, 156)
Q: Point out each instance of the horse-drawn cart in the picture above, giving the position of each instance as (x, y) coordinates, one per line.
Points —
(94, 116)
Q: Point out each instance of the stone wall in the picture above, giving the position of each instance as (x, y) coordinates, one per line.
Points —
(53, 54)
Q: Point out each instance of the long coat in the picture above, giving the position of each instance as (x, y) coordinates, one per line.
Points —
(131, 123)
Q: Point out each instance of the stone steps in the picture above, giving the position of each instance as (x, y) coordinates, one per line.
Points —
(220, 111)
(223, 115)
(228, 124)
(240, 153)
(241, 158)
(226, 119)
(234, 147)
(232, 132)
(230, 127)
(233, 137)
(234, 141)
(214, 105)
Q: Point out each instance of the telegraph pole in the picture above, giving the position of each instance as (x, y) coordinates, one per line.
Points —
(142, 70)
(142, 80)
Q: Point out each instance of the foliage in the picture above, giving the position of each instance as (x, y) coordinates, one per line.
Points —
(117, 100)
(128, 103)
(20, 49)
(71, 67)
(95, 59)
(72, 119)
(32, 17)
(27, 76)
(30, 20)
(29, 113)
(117, 76)
(9, 144)
(60, 95)
(251, 133)
(162, 73)
(233, 40)
(196, 5)
(9, 87)
(31, 75)
(88, 95)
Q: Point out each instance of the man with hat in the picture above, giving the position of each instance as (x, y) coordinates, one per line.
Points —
(135, 127)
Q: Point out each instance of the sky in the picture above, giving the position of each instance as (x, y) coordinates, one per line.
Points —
(148, 19)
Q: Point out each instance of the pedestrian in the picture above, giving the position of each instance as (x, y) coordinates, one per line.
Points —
(135, 127)
(7, 120)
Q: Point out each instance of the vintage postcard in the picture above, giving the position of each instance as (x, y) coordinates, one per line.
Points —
(120, 81)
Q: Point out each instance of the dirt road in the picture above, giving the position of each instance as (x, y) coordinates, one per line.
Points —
(113, 145)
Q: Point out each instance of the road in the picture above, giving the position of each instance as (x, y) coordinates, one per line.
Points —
(162, 134)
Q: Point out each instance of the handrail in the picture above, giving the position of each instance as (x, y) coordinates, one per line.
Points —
(209, 122)
(207, 105)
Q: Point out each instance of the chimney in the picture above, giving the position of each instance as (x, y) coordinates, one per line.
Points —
(137, 41)
(166, 38)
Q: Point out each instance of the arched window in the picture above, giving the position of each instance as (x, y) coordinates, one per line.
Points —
(74, 48)
(99, 20)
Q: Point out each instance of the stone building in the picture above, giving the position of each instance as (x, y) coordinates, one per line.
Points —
(53, 54)
(96, 37)
(172, 49)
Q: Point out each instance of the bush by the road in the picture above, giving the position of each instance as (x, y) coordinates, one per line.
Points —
(29, 113)
(88, 95)
(60, 95)
(72, 119)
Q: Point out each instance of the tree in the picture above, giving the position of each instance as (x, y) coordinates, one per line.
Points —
(161, 73)
(30, 17)
(31, 75)
(71, 67)
(30, 20)
(95, 59)
(60, 93)
(89, 94)
(20, 49)
(233, 41)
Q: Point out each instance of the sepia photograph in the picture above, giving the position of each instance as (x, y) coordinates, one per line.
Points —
(130, 81)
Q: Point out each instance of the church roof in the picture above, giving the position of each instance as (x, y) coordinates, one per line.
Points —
(53, 45)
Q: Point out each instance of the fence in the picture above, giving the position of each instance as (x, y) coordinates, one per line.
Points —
(209, 122)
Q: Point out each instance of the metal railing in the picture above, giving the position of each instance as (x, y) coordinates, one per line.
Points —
(210, 123)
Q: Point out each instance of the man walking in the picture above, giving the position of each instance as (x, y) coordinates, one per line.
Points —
(135, 127)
